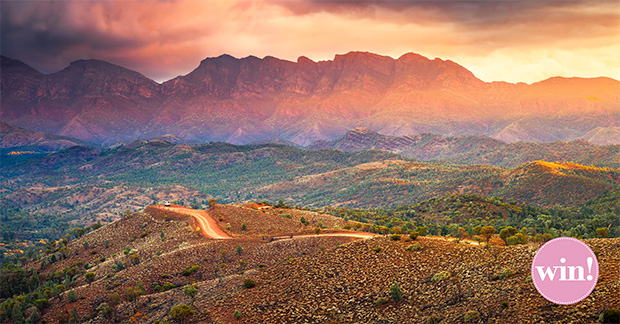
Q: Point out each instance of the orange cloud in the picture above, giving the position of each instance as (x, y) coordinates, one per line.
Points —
(497, 40)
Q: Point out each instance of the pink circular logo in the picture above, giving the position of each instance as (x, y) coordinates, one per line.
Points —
(565, 270)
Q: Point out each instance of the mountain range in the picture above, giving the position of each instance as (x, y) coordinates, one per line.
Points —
(251, 99)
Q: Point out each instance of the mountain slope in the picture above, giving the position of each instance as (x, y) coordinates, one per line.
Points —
(475, 149)
(249, 99)
(17, 139)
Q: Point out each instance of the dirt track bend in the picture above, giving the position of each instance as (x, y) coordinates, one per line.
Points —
(208, 226)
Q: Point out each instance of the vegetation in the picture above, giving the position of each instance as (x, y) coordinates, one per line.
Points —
(440, 276)
(181, 312)
(395, 292)
(248, 283)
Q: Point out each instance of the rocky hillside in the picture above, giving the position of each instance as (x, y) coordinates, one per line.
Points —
(249, 99)
(475, 149)
(145, 265)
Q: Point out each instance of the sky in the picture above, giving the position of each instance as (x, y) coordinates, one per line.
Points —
(498, 40)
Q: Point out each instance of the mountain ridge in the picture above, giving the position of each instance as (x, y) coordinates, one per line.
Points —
(249, 99)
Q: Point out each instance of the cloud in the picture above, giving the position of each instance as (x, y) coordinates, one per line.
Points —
(498, 40)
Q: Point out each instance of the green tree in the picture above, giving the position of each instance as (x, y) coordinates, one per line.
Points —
(239, 250)
(486, 233)
(507, 232)
(243, 226)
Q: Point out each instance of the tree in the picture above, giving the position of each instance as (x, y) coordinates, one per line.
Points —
(239, 250)
(602, 232)
(212, 203)
(243, 226)
(507, 232)
(317, 230)
(462, 233)
(486, 233)
(395, 292)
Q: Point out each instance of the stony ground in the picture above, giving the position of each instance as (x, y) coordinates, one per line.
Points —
(315, 279)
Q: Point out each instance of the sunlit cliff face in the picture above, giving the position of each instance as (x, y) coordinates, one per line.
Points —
(497, 40)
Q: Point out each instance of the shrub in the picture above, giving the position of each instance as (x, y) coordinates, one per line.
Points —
(167, 287)
(237, 314)
(610, 316)
(243, 226)
(440, 276)
(378, 249)
(528, 279)
(41, 303)
(414, 247)
(228, 226)
(395, 237)
(135, 259)
(286, 215)
(504, 273)
(471, 316)
(90, 277)
(239, 250)
(381, 301)
(317, 230)
(72, 295)
(248, 283)
(181, 312)
(517, 239)
(395, 292)
(115, 298)
(190, 290)
(190, 270)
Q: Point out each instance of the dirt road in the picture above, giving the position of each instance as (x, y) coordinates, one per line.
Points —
(208, 226)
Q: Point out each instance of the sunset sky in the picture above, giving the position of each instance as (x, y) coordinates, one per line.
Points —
(497, 40)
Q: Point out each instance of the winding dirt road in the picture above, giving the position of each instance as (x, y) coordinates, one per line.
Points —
(208, 226)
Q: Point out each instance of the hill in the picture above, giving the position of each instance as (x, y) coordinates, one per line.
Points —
(252, 99)
(396, 182)
(142, 266)
(475, 149)
(16, 140)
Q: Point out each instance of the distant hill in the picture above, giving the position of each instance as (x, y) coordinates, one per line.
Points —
(16, 139)
(370, 178)
(251, 99)
(475, 149)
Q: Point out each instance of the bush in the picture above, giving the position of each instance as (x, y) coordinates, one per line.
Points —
(181, 312)
(167, 286)
(286, 215)
(41, 303)
(381, 301)
(378, 249)
(243, 226)
(610, 316)
(237, 314)
(471, 316)
(440, 276)
(72, 295)
(517, 239)
(395, 237)
(190, 290)
(248, 283)
(415, 247)
(90, 277)
(414, 235)
(395, 292)
(190, 270)
(504, 273)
